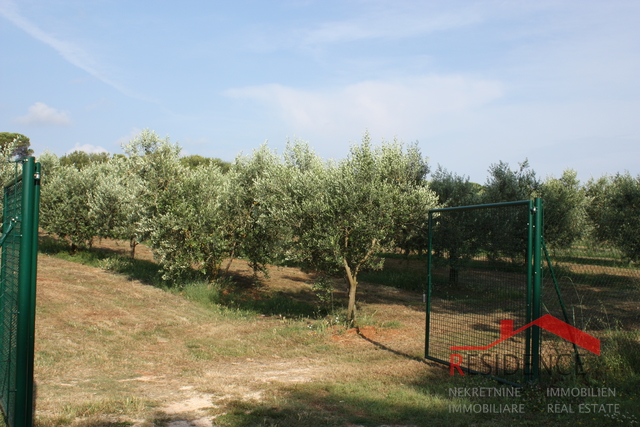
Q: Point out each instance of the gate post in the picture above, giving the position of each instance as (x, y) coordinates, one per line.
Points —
(427, 297)
(26, 300)
(537, 286)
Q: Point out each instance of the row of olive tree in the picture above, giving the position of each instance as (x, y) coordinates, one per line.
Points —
(333, 217)
(605, 209)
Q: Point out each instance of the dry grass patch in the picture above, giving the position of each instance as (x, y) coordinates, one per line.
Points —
(111, 351)
(108, 345)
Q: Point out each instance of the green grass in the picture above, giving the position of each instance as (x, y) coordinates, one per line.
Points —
(221, 293)
(94, 412)
(146, 271)
(371, 392)
(588, 253)
(226, 294)
(354, 402)
(409, 280)
(423, 401)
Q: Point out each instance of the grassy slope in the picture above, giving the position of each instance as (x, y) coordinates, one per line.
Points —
(112, 351)
(108, 348)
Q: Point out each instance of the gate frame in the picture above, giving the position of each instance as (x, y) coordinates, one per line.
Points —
(534, 285)
(23, 410)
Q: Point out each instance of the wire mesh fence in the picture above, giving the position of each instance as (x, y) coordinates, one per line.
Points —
(9, 285)
(17, 294)
(598, 281)
(480, 285)
(492, 279)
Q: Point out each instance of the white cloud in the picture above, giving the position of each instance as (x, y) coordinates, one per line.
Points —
(72, 52)
(41, 114)
(392, 22)
(384, 107)
(87, 148)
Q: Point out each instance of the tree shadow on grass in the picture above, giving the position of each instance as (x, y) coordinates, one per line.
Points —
(147, 272)
(391, 350)
(272, 304)
(340, 404)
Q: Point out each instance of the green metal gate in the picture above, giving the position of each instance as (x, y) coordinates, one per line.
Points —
(484, 282)
(19, 245)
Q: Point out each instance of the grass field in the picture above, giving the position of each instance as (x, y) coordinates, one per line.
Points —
(114, 347)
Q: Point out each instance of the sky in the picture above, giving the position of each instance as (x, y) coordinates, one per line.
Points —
(556, 82)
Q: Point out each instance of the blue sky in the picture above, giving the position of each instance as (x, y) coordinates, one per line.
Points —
(474, 82)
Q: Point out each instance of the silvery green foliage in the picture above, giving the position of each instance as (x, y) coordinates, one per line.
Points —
(253, 231)
(116, 201)
(343, 214)
(148, 143)
(333, 217)
(100, 200)
(65, 208)
(565, 213)
(613, 210)
(186, 229)
(163, 201)
(7, 165)
(180, 208)
(49, 163)
(155, 163)
(8, 168)
(506, 185)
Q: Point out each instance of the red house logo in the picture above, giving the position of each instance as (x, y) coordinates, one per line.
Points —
(547, 322)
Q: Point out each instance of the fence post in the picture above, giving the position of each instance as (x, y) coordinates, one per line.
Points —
(529, 311)
(35, 208)
(537, 287)
(428, 290)
(24, 369)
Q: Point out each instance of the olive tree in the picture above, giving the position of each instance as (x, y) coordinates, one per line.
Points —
(343, 214)
(507, 185)
(185, 230)
(565, 211)
(116, 201)
(153, 163)
(250, 226)
(614, 207)
(175, 209)
(65, 208)
(407, 169)
(507, 233)
(455, 233)
(49, 163)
